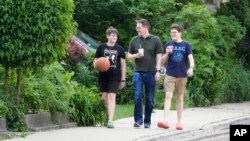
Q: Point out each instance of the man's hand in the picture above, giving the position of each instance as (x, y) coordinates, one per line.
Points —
(157, 76)
(138, 55)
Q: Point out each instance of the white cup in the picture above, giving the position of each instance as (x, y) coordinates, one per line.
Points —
(170, 49)
(141, 51)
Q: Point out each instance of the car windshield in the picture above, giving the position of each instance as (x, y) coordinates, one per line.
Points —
(87, 39)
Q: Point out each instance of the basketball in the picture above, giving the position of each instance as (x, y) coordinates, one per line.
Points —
(102, 64)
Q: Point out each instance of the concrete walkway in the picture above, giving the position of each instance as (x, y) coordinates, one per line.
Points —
(193, 119)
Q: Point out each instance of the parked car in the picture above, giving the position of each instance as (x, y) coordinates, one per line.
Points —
(92, 44)
(80, 45)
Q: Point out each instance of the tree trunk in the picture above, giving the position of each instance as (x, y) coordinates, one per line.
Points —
(18, 84)
(6, 78)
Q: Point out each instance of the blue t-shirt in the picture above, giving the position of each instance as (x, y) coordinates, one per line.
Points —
(177, 64)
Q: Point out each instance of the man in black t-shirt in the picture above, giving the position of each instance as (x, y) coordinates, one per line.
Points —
(114, 78)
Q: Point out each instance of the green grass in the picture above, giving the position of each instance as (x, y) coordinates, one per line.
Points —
(160, 97)
(126, 110)
(123, 111)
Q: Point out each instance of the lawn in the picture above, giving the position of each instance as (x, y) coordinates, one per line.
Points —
(123, 111)
(126, 110)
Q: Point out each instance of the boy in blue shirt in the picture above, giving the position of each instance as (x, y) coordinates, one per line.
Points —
(178, 57)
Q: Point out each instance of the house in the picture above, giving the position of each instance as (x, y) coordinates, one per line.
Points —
(214, 4)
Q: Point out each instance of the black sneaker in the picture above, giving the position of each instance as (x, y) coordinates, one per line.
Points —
(137, 125)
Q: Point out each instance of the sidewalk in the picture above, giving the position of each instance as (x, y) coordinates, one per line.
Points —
(193, 119)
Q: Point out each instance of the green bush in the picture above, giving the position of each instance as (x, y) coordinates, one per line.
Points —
(87, 107)
(159, 100)
(1, 72)
(48, 90)
(3, 108)
(11, 113)
(240, 9)
(14, 118)
(89, 60)
(236, 83)
(125, 96)
(53, 90)
(85, 75)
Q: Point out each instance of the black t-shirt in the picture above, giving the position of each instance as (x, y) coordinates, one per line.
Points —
(115, 53)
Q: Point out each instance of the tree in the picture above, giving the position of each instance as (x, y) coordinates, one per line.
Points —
(159, 13)
(241, 10)
(33, 34)
(95, 16)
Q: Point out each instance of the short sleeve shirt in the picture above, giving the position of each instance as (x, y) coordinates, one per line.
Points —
(115, 54)
(177, 64)
(152, 46)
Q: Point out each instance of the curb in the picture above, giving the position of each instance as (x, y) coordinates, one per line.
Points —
(226, 123)
(207, 131)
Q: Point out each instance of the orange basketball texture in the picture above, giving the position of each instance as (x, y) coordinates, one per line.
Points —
(102, 64)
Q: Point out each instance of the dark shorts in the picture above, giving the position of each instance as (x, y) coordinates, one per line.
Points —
(109, 86)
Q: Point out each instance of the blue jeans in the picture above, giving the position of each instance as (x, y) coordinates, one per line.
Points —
(148, 80)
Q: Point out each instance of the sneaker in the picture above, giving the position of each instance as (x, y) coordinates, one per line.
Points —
(162, 124)
(105, 123)
(179, 126)
(137, 125)
(146, 125)
(110, 124)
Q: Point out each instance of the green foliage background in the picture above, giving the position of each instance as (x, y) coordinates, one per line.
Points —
(240, 9)
(31, 40)
(213, 37)
(34, 33)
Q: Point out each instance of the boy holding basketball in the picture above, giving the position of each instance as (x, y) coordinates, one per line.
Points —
(114, 78)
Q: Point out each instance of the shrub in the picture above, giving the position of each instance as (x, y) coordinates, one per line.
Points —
(85, 75)
(3, 108)
(14, 118)
(87, 107)
(240, 9)
(125, 95)
(236, 83)
(49, 89)
(53, 90)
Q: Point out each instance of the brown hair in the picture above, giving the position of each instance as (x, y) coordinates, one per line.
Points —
(111, 30)
(178, 27)
(144, 23)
